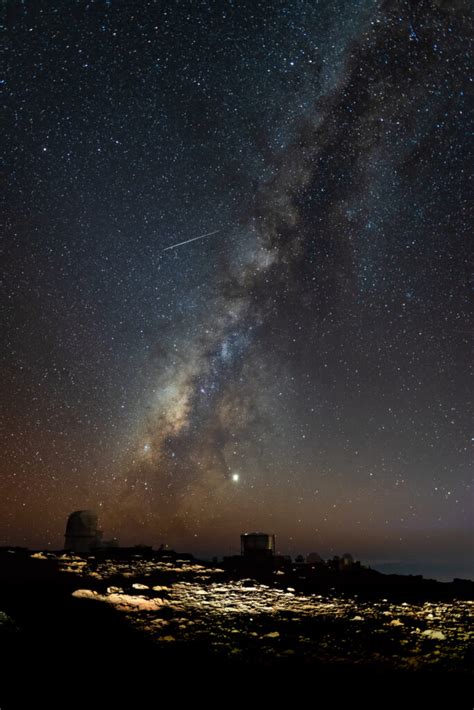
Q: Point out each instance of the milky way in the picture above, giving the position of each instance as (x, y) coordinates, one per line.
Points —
(304, 369)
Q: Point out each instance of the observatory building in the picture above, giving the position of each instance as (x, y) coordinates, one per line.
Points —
(82, 534)
(257, 546)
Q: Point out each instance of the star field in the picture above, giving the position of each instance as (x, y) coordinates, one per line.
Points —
(301, 370)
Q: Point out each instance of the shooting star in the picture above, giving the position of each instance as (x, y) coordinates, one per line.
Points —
(208, 234)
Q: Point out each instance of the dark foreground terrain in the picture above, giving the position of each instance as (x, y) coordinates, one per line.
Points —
(111, 633)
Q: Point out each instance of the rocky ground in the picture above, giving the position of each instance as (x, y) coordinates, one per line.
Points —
(67, 624)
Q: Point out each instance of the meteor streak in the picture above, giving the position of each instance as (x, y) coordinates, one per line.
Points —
(180, 244)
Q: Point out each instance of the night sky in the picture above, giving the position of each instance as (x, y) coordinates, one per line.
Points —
(303, 368)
